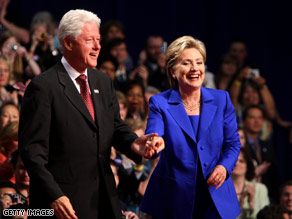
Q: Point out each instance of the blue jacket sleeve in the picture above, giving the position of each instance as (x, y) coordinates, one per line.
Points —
(231, 144)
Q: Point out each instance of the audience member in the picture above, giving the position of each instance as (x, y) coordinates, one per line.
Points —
(238, 49)
(5, 71)
(149, 92)
(228, 69)
(252, 93)
(8, 113)
(273, 211)
(110, 30)
(132, 177)
(252, 196)
(43, 36)
(137, 103)
(22, 62)
(117, 48)
(242, 136)
(8, 144)
(262, 152)
(21, 177)
(21, 33)
(8, 194)
(154, 61)
(209, 81)
(286, 197)
(109, 65)
(123, 104)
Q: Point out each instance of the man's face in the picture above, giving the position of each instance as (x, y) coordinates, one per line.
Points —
(254, 121)
(154, 47)
(83, 51)
(286, 197)
(238, 50)
(120, 53)
(21, 175)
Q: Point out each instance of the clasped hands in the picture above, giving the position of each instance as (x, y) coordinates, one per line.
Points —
(148, 145)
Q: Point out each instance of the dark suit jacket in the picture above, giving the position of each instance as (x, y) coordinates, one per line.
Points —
(64, 150)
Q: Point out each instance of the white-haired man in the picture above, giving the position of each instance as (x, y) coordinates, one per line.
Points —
(69, 120)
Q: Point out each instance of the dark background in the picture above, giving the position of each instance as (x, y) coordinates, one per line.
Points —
(265, 25)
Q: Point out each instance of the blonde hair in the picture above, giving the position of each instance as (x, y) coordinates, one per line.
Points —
(135, 124)
(4, 59)
(174, 51)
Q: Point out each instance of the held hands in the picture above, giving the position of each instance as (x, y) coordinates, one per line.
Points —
(217, 176)
(63, 208)
(148, 145)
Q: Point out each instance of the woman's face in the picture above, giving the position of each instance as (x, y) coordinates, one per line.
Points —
(241, 166)
(250, 96)
(109, 68)
(228, 68)
(9, 48)
(135, 98)
(241, 137)
(9, 114)
(4, 73)
(189, 69)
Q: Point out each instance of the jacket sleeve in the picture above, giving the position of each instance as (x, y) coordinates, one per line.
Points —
(34, 134)
(231, 143)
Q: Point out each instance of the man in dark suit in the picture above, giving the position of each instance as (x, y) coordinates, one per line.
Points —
(69, 120)
(262, 152)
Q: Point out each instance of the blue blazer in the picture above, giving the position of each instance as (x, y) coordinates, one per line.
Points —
(171, 189)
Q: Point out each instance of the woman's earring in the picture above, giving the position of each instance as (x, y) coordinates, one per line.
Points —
(173, 76)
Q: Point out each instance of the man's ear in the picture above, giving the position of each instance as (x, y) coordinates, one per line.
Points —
(68, 43)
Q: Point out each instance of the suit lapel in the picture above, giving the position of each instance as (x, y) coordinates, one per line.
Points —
(207, 113)
(178, 112)
(72, 93)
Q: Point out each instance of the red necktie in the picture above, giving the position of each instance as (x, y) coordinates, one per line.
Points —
(84, 92)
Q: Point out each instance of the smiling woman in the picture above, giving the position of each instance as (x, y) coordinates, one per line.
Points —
(189, 118)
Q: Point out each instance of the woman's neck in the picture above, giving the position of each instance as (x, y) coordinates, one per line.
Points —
(238, 182)
(190, 96)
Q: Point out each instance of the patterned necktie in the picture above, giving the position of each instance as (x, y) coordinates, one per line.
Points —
(84, 92)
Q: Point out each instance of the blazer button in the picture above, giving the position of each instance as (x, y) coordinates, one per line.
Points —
(202, 147)
(206, 164)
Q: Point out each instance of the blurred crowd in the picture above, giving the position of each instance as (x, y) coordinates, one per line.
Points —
(26, 53)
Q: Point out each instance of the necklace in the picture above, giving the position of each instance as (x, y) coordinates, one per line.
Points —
(191, 107)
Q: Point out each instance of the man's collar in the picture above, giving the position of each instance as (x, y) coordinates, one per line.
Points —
(71, 71)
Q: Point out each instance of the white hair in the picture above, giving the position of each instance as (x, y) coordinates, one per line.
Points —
(72, 23)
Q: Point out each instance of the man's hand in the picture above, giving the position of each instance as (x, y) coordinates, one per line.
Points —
(63, 208)
(217, 176)
(148, 145)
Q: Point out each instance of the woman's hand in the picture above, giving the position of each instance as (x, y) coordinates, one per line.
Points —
(217, 176)
(148, 145)
(250, 191)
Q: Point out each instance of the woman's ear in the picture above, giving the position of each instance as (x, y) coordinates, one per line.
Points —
(172, 73)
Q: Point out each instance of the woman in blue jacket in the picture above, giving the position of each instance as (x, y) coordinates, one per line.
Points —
(192, 178)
